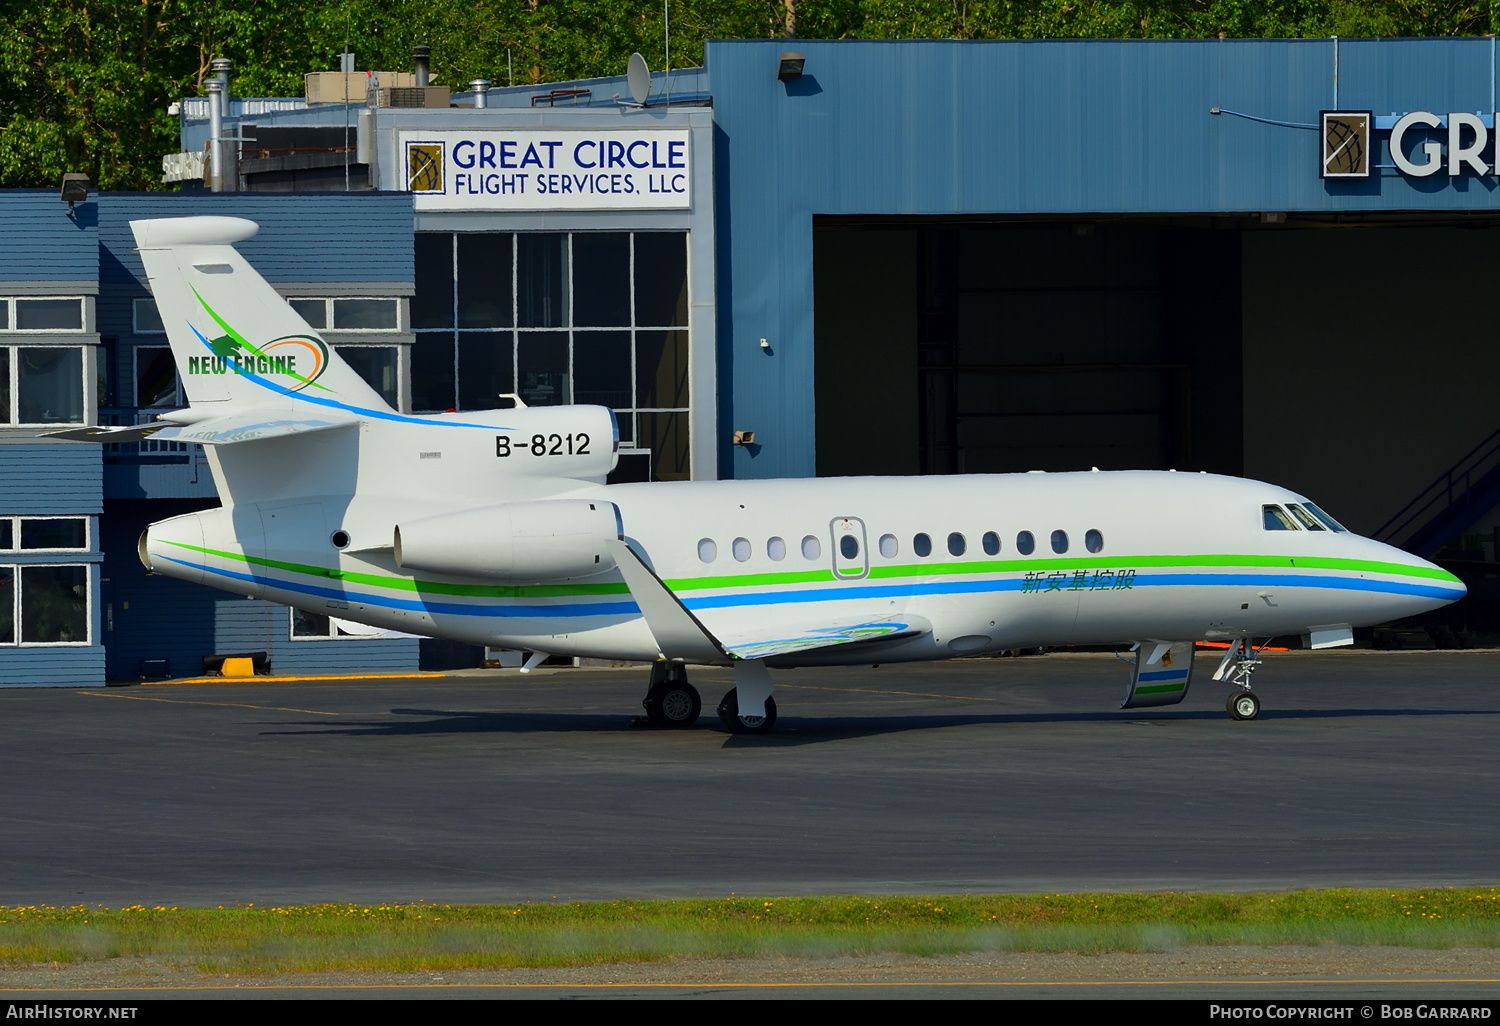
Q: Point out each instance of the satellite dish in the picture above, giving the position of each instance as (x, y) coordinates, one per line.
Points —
(639, 77)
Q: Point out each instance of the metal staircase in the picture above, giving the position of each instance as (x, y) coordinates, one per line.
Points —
(1443, 510)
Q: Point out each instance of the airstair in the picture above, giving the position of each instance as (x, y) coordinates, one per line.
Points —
(1443, 510)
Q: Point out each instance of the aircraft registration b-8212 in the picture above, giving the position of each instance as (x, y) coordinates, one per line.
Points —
(497, 528)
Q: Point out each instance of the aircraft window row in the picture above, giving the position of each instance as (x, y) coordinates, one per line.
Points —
(1295, 517)
(889, 547)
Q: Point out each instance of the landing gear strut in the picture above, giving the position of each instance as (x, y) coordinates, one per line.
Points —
(670, 700)
(1238, 664)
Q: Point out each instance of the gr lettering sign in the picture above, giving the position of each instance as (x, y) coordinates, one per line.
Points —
(1420, 143)
(608, 169)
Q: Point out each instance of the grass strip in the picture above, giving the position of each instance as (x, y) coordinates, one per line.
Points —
(397, 937)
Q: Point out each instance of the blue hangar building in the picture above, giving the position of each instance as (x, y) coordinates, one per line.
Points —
(1260, 257)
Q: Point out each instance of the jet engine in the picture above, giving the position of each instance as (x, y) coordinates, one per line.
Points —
(546, 540)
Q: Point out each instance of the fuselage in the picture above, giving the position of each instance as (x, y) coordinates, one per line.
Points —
(1179, 556)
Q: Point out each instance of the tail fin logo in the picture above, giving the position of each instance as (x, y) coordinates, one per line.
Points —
(289, 364)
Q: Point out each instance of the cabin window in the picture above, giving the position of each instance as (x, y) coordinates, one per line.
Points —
(888, 546)
(849, 546)
(1093, 541)
(922, 545)
(811, 548)
(1328, 521)
(1305, 518)
(1059, 542)
(741, 549)
(776, 549)
(991, 543)
(1276, 519)
(957, 544)
(1025, 543)
(707, 550)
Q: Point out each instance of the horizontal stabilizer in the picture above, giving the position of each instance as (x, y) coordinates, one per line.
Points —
(768, 643)
(249, 426)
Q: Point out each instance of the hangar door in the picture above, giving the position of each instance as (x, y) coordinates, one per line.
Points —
(993, 348)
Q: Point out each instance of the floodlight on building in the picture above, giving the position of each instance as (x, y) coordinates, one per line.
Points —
(75, 188)
(790, 68)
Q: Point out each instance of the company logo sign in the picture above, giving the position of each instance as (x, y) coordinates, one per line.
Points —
(424, 167)
(291, 363)
(1346, 144)
(1419, 143)
(606, 169)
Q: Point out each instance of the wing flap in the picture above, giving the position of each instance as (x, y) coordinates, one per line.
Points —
(766, 642)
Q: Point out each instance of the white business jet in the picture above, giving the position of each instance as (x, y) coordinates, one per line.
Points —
(497, 528)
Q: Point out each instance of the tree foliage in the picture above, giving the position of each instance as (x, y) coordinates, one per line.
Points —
(85, 84)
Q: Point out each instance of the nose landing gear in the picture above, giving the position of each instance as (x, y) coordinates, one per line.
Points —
(1238, 664)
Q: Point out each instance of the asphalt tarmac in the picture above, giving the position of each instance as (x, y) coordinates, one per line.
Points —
(1364, 769)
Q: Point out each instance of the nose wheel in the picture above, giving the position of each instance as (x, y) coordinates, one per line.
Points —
(1243, 705)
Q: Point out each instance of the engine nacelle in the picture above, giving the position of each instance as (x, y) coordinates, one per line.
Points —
(546, 540)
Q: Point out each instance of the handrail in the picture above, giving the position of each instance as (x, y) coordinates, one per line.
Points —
(1458, 478)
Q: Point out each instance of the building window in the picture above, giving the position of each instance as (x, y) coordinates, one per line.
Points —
(156, 381)
(307, 626)
(41, 385)
(377, 365)
(53, 603)
(51, 314)
(353, 314)
(44, 534)
(586, 317)
(145, 318)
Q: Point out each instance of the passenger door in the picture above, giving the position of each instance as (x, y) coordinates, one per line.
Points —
(851, 557)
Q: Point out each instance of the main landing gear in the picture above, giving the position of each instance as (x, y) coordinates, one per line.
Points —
(670, 700)
(729, 715)
(1238, 664)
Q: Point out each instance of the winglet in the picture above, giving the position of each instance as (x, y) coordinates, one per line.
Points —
(678, 633)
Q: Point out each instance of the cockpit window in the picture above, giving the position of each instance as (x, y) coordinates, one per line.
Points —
(1328, 521)
(1307, 520)
(1276, 518)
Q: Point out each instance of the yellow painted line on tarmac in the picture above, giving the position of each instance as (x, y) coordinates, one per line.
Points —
(703, 984)
(874, 691)
(226, 705)
(286, 680)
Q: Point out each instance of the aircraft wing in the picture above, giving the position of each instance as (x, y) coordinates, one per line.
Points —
(766, 642)
(246, 426)
(680, 634)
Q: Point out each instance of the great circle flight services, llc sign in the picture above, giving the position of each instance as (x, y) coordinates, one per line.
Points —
(1421, 143)
(643, 169)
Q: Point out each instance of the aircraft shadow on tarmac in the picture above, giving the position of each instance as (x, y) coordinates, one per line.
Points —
(795, 731)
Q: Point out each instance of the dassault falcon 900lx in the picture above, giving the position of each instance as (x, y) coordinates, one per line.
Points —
(497, 528)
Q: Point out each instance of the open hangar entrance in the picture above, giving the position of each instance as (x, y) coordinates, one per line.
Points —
(1353, 358)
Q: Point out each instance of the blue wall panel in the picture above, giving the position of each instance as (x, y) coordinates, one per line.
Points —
(1026, 127)
(45, 240)
(304, 237)
(44, 477)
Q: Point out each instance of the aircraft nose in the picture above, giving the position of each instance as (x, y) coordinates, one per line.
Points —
(1429, 585)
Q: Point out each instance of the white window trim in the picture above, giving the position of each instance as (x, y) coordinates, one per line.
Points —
(12, 357)
(16, 616)
(333, 630)
(10, 320)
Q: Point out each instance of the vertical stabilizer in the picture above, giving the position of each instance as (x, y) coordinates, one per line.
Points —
(235, 340)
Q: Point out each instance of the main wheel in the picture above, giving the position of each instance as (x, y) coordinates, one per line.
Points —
(729, 715)
(1243, 705)
(673, 704)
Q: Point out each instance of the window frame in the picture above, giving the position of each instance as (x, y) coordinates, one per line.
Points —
(11, 345)
(17, 614)
(328, 302)
(135, 317)
(180, 396)
(12, 310)
(15, 535)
